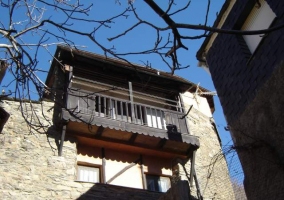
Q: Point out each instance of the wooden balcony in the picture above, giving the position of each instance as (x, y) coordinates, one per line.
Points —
(123, 121)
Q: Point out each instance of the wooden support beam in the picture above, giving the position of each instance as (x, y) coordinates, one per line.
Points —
(142, 173)
(161, 143)
(199, 195)
(100, 131)
(110, 142)
(194, 176)
(103, 166)
(68, 76)
(190, 150)
(62, 140)
(192, 168)
(131, 101)
(132, 138)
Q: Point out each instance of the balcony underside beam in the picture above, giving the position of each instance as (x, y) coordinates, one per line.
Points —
(100, 131)
(102, 142)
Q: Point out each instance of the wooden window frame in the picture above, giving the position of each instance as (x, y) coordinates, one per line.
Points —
(89, 165)
(158, 176)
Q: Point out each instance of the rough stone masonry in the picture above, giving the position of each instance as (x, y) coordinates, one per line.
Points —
(30, 167)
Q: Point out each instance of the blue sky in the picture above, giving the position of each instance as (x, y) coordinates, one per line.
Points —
(139, 39)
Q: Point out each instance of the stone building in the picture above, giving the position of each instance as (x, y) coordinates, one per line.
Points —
(116, 131)
(247, 71)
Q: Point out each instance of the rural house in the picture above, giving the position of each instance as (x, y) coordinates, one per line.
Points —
(116, 131)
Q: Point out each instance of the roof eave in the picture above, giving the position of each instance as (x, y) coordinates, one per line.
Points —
(199, 54)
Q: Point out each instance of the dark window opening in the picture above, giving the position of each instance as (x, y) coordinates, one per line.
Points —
(157, 183)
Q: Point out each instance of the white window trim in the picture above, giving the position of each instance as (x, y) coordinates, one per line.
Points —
(259, 18)
(89, 174)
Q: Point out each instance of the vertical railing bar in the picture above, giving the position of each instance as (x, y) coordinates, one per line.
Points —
(126, 108)
(168, 117)
(99, 97)
(136, 117)
(91, 105)
(78, 104)
(131, 101)
(112, 108)
(85, 103)
(156, 118)
(141, 115)
(182, 124)
(171, 116)
(109, 107)
(177, 123)
(121, 111)
(116, 113)
(145, 115)
(161, 118)
(87, 110)
(151, 114)
(95, 99)
(104, 106)
(164, 122)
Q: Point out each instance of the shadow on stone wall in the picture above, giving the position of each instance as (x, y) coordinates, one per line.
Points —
(53, 133)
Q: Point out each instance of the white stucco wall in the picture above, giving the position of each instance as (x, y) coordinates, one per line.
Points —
(198, 102)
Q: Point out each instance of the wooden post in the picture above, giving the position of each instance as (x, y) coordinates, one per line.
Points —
(131, 101)
(194, 176)
(142, 173)
(192, 168)
(103, 166)
(69, 69)
(62, 140)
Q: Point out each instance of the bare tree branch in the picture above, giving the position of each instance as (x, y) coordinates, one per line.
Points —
(36, 21)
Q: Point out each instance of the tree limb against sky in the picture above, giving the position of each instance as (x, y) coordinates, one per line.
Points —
(30, 29)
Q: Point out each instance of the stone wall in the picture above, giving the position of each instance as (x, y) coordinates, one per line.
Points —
(30, 167)
(210, 164)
